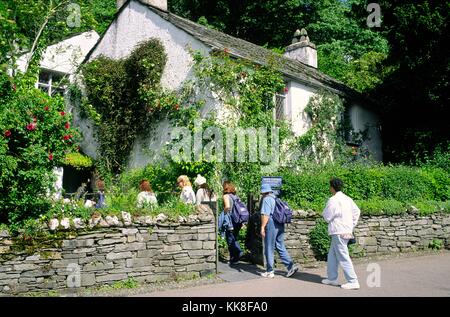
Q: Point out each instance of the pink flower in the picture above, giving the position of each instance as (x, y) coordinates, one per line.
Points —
(286, 89)
(50, 156)
(7, 133)
(226, 50)
(62, 113)
(14, 87)
(31, 126)
(34, 119)
(67, 125)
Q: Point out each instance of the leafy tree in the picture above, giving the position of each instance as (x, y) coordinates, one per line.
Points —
(416, 96)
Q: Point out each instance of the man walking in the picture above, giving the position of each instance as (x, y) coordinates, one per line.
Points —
(341, 214)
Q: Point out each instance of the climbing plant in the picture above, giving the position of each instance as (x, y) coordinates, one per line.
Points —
(124, 98)
(324, 141)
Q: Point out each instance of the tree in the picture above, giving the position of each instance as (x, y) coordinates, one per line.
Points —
(30, 26)
(416, 96)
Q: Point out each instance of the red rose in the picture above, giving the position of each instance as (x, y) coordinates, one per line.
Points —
(46, 108)
(176, 107)
(62, 113)
(31, 126)
(286, 89)
(66, 137)
(67, 125)
(7, 133)
(50, 156)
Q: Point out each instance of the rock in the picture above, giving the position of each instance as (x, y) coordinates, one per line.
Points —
(102, 223)
(412, 209)
(161, 218)
(149, 220)
(78, 223)
(206, 217)
(181, 219)
(140, 220)
(192, 218)
(95, 220)
(112, 221)
(53, 224)
(126, 217)
(4, 234)
(65, 223)
(6, 288)
(300, 213)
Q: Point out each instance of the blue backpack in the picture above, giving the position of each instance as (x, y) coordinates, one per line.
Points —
(239, 213)
(282, 213)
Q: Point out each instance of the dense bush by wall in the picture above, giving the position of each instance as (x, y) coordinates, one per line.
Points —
(35, 136)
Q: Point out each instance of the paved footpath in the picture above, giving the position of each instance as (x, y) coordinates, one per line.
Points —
(426, 275)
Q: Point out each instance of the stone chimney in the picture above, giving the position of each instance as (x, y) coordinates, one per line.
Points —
(160, 4)
(302, 49)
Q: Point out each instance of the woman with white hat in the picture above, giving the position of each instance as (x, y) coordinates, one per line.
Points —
(204, 193)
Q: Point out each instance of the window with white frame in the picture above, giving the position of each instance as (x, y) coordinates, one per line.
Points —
(280, 106)
(51, 82)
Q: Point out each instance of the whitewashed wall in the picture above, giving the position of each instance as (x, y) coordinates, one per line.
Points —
(362, 118)
(297, 99)
(65, 56)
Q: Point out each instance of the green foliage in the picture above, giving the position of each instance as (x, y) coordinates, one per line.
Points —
(376, 206)
(323, 141)
(320, 240)
(78, 160)
(35, 138)
(436, 244)
(382, 184)
(121, 96)
(125, 100)
(20, 21)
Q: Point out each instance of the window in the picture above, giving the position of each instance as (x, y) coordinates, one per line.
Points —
(52, 83)
(280, 107)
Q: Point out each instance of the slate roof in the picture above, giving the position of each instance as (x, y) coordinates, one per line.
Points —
(302, 73)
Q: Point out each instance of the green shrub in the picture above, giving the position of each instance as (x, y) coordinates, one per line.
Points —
(320, 240)
(436, 244)
(381, 207)
(35, 135)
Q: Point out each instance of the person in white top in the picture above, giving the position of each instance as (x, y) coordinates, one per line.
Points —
(204, 193)
(146, 197)
(341, 214)
(187, 193)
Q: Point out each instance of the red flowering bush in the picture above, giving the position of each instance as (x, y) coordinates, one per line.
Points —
(35, 136)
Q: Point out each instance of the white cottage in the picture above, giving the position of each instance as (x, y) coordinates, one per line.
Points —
(141, 20)
(60, 61)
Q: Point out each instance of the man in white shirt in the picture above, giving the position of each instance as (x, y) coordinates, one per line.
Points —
(341, 214)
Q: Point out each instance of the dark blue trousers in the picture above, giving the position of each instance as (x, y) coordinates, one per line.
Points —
(233, 244)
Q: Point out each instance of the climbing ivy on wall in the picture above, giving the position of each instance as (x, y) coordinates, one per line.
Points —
(125, 99)
(324, 141)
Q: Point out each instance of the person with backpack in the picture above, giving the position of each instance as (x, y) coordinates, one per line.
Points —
(342, 214)
(239, 215)
(273, 217)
